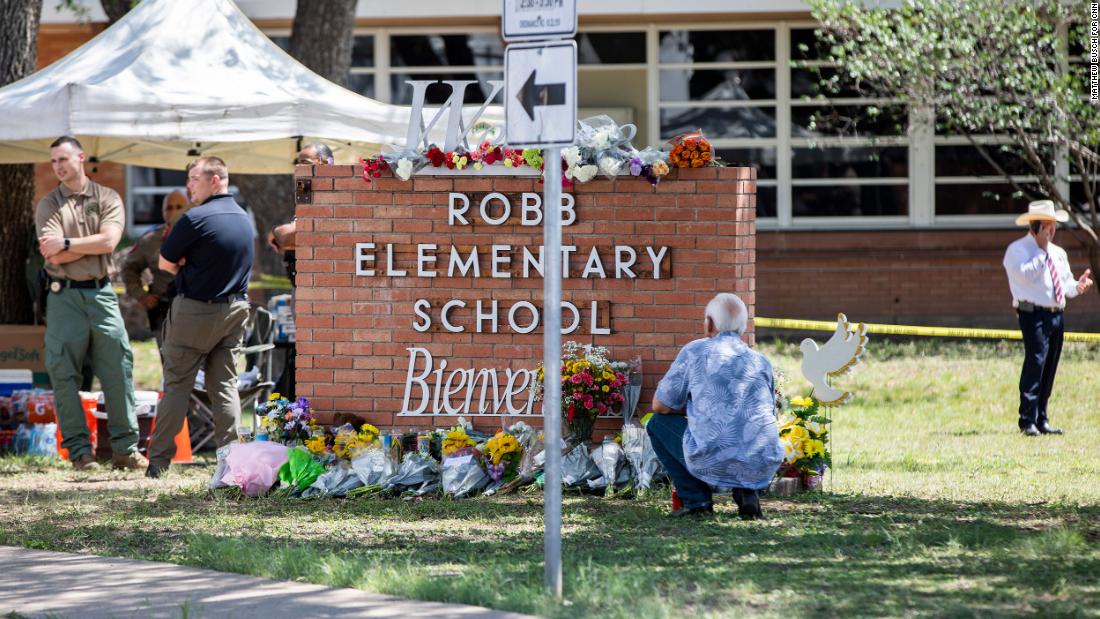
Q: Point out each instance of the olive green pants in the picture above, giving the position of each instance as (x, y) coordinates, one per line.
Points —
(206, 335)
(82, 323)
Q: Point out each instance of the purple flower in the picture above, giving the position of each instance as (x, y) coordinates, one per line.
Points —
(303, 403)
(496, 471)
(635, 166)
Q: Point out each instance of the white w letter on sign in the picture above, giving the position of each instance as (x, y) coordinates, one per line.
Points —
(457, 129)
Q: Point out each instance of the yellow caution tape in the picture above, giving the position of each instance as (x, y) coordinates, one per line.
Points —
(266, 282)
(822, 325)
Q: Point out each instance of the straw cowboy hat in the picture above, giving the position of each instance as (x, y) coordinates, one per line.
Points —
(1041, 210)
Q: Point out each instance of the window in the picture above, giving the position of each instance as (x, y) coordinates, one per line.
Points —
(473, 57)
(849, 154)
(723, 82)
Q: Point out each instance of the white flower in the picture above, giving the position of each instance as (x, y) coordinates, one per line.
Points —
(610, 166)
(585, 173)
(602, 139)
(404, 169)
(572, 156)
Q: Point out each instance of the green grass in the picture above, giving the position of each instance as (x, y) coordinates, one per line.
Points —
(937, 507)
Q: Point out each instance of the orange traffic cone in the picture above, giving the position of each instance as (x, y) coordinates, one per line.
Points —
(183, 443)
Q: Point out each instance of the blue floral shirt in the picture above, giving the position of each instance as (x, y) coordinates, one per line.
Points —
(728, 391)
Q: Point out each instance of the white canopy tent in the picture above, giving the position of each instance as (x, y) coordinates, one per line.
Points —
(173, 80)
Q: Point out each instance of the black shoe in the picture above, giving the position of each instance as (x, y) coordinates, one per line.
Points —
(749, 507)
(736, 492)
(154, 471)
(1046, 429)
(693, 511)
(1031, 430)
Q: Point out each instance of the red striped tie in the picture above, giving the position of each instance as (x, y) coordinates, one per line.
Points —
(1058, 296)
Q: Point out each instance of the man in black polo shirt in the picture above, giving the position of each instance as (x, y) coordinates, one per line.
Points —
(210, 248)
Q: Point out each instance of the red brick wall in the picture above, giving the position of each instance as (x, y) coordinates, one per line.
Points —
(353, 331)
(932, 277)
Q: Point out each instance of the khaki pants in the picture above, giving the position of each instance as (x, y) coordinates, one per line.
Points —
(83, 323)
(195, 332)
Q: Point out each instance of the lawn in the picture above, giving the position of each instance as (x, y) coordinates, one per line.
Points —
(937, 507)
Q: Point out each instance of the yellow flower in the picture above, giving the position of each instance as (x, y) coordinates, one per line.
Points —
(274, 396)
(507, 163)
(802, 401)
(316, 445)
(456, 439)
(798, 433)
(605, 388)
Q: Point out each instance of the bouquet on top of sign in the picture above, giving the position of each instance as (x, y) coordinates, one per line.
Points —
(602, 147)
(590, 387)
(690, 150)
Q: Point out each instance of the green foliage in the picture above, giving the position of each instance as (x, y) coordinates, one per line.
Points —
(988, 68)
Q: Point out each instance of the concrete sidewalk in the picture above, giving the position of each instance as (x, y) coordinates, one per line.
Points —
(60, 584)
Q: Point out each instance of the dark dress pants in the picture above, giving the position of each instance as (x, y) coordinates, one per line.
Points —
(1042, 331)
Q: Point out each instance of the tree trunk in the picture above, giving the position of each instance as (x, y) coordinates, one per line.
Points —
(115, 9)
(18, 55)
(321, 39)
(322, 36)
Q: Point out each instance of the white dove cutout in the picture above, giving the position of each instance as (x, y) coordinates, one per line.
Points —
(840, 354)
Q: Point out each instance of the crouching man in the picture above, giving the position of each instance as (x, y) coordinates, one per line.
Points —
(716, 425)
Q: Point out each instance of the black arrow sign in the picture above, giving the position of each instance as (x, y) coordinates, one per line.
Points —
(532, 95)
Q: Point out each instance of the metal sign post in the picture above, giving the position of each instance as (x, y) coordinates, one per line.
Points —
(540, 111)
(551, 363)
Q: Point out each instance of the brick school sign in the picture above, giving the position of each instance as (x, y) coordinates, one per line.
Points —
(420, 301)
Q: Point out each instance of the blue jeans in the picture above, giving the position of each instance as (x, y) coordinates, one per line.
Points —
(666, 432)
(1043, 332)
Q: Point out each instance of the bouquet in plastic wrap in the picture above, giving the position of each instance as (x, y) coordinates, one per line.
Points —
(461, 474)
(299, 471)
(611, 462)
(254, 467)
(284, 421)
(502, 453)
(418, 474)
(644, 464)
(577, 467)
(336, 481)
(649, 164)
(690, 150)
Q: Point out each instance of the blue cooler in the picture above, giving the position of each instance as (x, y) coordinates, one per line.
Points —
(13, 380)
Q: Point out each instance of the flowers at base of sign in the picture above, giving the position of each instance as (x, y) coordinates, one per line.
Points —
(691, 150)
(803, 432)
(284, 421)
(455, 440)
(502, 455)
(373, 167)
(590, 388)
(348, 442)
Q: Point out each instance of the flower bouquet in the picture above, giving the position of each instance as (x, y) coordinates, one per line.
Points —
(691, 150)
(348, 442)
(503, 452)
(590, 387)
(803, 433)
(284, 421)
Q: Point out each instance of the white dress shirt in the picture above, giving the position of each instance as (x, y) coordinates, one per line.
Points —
(1029, 278)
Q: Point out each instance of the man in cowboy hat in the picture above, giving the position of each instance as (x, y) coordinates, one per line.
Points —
(1040, 279)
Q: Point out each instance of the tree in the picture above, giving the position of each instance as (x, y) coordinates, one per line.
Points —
(985, 69)
(18, 55)
(321, 39)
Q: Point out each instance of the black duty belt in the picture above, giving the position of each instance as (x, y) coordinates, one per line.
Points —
(229, 298)
(1025, 306)
(92, 284)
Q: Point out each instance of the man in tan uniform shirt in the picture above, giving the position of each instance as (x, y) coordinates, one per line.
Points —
(79, 224)
(145, 255)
